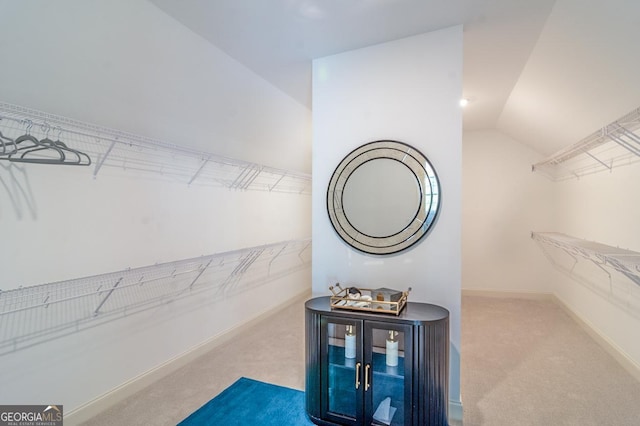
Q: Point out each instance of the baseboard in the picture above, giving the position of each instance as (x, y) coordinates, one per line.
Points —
(506, 294)
(120, 393)
(455, 412)
(607, 344)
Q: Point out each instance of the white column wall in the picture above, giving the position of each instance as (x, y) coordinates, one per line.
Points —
(502, 202)
(406, 90)
(127, 65)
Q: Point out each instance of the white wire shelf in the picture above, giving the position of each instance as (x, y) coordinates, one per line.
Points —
(31, 315)
(613, 262)
(615, 145)
(626, 262)
(109, 148)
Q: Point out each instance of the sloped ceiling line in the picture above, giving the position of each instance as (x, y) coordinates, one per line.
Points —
(540, 72)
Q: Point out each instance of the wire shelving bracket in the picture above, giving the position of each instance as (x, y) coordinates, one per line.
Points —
(134, 153)
(616, 144)
(34, 314)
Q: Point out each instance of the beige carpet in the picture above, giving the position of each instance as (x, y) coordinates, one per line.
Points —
(272, 352)
(524, 362)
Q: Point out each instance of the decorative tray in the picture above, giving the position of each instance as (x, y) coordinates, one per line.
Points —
(381, 300)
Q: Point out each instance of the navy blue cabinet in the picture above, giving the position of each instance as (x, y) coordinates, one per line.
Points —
(377, 369)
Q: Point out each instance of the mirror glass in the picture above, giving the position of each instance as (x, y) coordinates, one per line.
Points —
(383, 197)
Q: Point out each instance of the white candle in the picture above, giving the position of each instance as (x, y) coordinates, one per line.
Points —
(350, 346)
(392, 353)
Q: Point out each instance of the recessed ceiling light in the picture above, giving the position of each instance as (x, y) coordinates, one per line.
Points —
(464, 102)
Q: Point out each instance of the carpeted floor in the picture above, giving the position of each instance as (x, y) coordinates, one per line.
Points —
(524, 362)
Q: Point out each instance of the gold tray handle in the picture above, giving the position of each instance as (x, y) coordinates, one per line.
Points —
(337, 286)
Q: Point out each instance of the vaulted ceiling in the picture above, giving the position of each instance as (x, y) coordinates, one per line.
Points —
(545, 72)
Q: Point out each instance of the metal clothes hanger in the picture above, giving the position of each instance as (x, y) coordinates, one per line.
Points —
(58, 149)
(78, 158)
(7, 145)
(83, 159)
(29, 144)
(34, 145)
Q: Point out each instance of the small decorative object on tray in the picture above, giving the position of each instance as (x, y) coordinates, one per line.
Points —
(381, 300)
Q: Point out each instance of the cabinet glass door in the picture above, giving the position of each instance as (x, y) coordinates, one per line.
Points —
(342, 399)
(388, 383)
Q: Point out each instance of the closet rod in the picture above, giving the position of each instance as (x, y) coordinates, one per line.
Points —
(40, 118)
(136, 152)
(33, 314)
(626, 262)
(613, 145)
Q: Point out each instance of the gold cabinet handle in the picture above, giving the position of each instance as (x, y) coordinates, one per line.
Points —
(366, 377)
(358, 375)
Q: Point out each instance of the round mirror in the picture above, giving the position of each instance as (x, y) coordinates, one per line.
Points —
(383, 197)
(380, 197)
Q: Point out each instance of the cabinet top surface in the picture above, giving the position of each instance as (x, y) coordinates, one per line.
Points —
(413, 311)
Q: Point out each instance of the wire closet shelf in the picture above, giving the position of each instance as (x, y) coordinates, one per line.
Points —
(109, 148)
(609, 272)
(626, 262)
(616, 144)
(30, 315)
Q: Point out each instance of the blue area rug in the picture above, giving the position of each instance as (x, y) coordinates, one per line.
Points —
(250, 402)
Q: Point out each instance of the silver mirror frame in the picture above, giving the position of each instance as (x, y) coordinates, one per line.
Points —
(424, 217)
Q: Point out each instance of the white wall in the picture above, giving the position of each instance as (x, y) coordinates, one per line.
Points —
(406, 90)
(502, 202)
(603, 208)
(127, 65)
